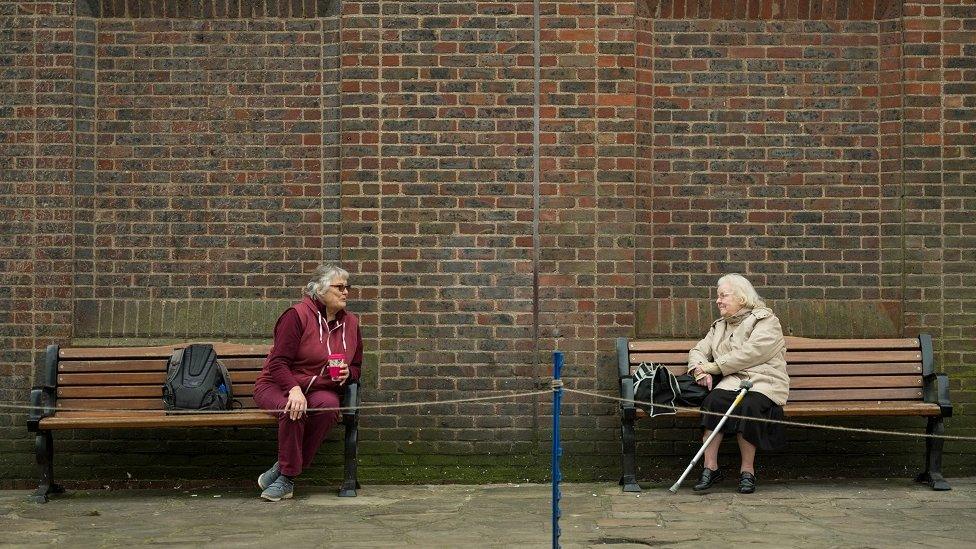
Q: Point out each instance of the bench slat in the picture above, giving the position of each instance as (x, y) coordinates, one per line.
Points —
(795, 357)
(132, 391)
(222, 349)
(122, 404)
(109, 379)
(155, 365)
(150, 365)
(851, 382)
(800, 395)
(852, 356)
(254, 363)
(876, 368)
(815, 370)
(67, 420)
(792, 343)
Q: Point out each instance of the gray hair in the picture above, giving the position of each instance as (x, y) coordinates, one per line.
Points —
(743, 290)
(322, 278)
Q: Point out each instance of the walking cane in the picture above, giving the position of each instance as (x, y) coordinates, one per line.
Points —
(743, 388)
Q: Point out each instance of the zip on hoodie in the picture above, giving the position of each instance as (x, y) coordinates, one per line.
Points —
(328, 344)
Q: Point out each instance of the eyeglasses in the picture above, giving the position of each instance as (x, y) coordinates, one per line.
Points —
(341, 287)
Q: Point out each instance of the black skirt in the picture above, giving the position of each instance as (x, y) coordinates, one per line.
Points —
(765, 436)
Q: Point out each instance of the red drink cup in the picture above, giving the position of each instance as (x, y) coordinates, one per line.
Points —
(336, 362)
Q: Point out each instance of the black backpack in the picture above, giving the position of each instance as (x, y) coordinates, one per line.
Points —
(196, 380)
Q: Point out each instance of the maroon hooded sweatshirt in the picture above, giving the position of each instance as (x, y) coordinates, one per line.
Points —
(303, 340)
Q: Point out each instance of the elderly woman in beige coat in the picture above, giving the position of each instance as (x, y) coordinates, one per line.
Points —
(746, 343)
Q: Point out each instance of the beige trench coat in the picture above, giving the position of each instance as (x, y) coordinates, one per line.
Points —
(750, 346)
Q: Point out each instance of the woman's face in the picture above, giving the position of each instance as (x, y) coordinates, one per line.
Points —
(335, 294)
(728, 303)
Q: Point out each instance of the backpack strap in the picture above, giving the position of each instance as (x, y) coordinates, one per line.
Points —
(175, 358)
(227, 383)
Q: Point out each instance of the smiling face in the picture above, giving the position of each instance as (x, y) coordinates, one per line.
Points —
(728, 303)
(335, 295)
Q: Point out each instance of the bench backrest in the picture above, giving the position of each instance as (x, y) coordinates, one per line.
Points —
(121, 378)
(823, 369)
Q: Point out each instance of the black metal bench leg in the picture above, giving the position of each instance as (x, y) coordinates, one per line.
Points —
(932, 475)
(628, 439)
(350, 484)
(44, 452)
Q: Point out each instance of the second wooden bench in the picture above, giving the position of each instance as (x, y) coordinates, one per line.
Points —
(828, 378)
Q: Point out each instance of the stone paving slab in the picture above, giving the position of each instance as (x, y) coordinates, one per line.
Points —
(864, 513)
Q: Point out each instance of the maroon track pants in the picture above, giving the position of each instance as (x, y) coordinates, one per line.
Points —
(298, 440)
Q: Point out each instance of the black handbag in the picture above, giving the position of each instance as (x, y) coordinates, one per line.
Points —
(656, 385)
(691, 393)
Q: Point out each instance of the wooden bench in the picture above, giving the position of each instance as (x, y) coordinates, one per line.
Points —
(111, 382)
(828, 377)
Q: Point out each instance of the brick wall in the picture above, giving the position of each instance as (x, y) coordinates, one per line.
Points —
(958, 113)
(454, 222)
(171, 169)
(17, 167)
(765, 154)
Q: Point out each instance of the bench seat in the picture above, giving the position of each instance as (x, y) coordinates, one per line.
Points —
(840, 408)
(108, 420)
(121, 388)
(828, 378)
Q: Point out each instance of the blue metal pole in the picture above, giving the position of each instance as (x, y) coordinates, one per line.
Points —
(557, 451)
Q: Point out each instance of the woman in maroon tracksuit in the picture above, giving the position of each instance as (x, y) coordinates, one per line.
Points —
(295, 376)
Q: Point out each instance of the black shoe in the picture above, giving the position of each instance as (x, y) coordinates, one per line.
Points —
(708, 478)
(747, 483)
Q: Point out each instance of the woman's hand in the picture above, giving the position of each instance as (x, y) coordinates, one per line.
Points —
(705, 381)
(296, 405)
(343, 373)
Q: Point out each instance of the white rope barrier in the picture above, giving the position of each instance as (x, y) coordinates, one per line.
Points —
(554, 384)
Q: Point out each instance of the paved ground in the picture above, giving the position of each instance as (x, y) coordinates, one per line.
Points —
(869, 513)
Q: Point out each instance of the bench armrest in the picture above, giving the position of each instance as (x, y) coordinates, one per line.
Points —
(627, 398)
(350, 399)
(42, 400)
(623, 358)
(936, 390)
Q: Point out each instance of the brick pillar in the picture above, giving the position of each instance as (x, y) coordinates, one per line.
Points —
(331, 242)
(54, 61)
(958, 29)
(922, 165)
(644, 214)
(890, 128)
(616, 133)
(359, 181)
(17, 186)
(86, 29)
(454, 126)
(567, 270)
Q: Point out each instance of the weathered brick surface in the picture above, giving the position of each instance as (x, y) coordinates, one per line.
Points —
(923, 245)
(765, 157)
(958, 115)
(170, 169)
(690, 318)
(210, 180)
(891, 182)
(213, 9)
(771, 10)
(454, 219)
(567, 270)
(18, 143)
